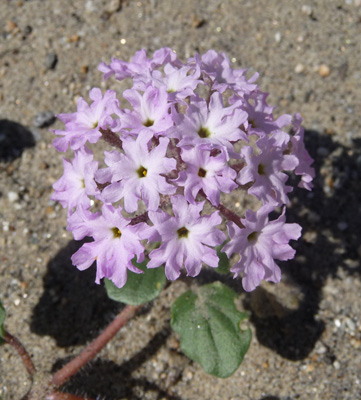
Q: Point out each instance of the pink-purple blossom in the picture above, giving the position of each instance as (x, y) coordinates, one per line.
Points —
(192, 133)
(138, 174)
(205, 172)
(77, 182)
(211, 125)
(150, 111)
(265, 171)
(187, 238)
(115, 244)
(83, 125)
(259, 244)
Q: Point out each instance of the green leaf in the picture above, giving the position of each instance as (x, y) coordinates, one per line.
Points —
(223, 264)
(140, 288)
(2, 318)
(209, 325)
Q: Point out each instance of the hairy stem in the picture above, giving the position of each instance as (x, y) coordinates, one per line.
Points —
(230, 215)
(112, 138)
(94, 348)
(24, 355)
(139, 218)
(64, 396)
(226, 212)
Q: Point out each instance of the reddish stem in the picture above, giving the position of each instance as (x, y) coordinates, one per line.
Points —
(87, 354)
(227, 213)
(24, 355)
(64, 396)
(112, 138)
(139, 218)
(230, 215)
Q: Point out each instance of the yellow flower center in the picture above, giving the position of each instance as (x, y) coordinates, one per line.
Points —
(182, 232)
(142, 172)
(116, 232)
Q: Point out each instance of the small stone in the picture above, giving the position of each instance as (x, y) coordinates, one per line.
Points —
(356, 343)
(43, 119)
(307, 10)
(330, 182)
(324, 70)
(299, 68)
(73, 38)
(310, 237)
(51, 60)
(323, 152)
(10, 26)
(350, 324)
(13, 196)
(329, 131)
(336, 365)
(114, 6)
(342, 226)
(189, 375)
(278, 37)
(27, 30)
(174, 343)
(352, 263)
(310, 368)
(84, 69)
(90, 7)
(197, 22)
(49, 210)
(321, 350)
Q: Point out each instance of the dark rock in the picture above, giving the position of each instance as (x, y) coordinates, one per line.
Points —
(51, 60)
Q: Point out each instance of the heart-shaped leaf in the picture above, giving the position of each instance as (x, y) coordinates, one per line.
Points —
(209, 325)
(140, 288)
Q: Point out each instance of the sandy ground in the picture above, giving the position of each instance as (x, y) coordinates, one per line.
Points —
(307, 330)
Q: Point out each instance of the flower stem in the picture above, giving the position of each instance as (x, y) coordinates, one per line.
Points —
(94, 348)
(139, 218)
(230, 215)
(112, 138)
(226, 212)
(24, 355)
(64, 396)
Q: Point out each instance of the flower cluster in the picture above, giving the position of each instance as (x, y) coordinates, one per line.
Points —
(191, 132)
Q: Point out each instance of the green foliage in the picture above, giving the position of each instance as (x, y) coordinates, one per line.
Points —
(223, 264)
(2, 318)
(209, 325)
(140, 288)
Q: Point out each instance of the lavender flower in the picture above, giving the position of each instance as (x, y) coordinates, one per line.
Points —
(84, 125)
(138, 173)
(194, 130)
(259, 244)
(212, 125)
(115, 244)
(185, 238)
(77, 182)
(207, 173)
